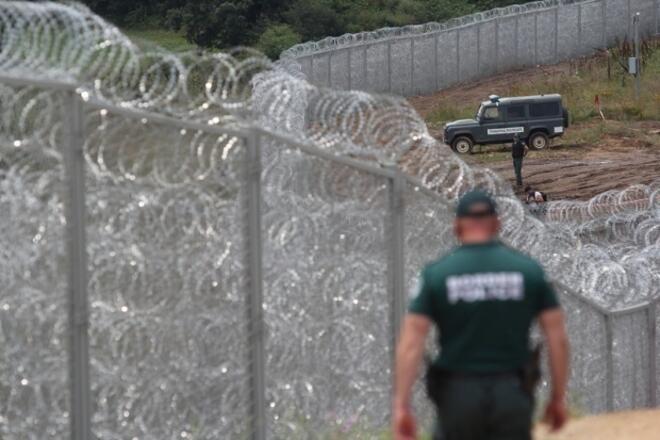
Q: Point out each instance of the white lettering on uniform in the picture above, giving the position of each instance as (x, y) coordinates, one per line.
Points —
(500, 286)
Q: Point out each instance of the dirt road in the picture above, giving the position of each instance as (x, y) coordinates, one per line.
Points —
(582, 171)
(633, 425)
(596, 155)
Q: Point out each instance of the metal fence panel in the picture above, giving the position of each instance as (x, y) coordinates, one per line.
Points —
(339, 72)
(358, 68)
(589, 367)
(34, 384)
(468, 56)
(592, 28)
(567, 41)
(321, 72)
(401, 64)
(526, 46)
(378, 68)
(507, 39)
(326, 304)
(545, 36)
(631, 362)
(167, 281)
(447, 59)
(488, 56)
(425, 66)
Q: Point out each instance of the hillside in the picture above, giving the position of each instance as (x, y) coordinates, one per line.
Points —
(595, 155)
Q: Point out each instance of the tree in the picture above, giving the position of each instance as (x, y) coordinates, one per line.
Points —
(277, 38)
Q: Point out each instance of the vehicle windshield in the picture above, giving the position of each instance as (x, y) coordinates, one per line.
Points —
(480, 112)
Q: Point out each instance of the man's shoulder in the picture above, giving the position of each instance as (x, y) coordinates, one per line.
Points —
(520, 259)
(443, 264)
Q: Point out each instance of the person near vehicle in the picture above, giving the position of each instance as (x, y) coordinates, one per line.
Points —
(483, 297)
(536, 201)
(519, 150)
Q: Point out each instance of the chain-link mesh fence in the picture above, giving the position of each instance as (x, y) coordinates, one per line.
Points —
(420, 59)
(246, 264)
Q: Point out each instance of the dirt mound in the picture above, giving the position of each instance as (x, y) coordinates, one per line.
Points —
(633, 425)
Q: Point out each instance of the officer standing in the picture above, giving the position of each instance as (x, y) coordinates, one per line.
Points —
(518, 150)
(483, 297)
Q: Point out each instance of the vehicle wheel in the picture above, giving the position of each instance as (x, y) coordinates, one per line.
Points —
(462, 145)
(538, 141)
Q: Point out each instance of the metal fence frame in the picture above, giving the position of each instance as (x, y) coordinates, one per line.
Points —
(79, 357)
(613, 26)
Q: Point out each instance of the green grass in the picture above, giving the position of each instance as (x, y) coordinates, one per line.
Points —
(579, 87)
(170, 40)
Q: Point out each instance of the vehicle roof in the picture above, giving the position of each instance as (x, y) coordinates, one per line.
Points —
(532, 98)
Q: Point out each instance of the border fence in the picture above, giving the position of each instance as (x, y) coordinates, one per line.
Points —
(615, 353)
(421, 59)
(180, 277)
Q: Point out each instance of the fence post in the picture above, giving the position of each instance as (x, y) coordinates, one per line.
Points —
(312, 79)
(579, 31)
(478, 75)
(609, 361)
(516, 43)
(349, 66)
(497, 44)
(436, 72)
(77, 277)
(256, 335)
(556, 34)
(412, 66)
(653, 367)
(603, 11)
(396, 261)
(458, 55)
(330, 69)
(536, 38)
(389, 66)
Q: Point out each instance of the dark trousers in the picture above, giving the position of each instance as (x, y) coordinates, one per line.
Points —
(517, 167)
(484, 408)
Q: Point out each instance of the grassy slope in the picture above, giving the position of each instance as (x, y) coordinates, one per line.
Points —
(579, 87)
(170, 40)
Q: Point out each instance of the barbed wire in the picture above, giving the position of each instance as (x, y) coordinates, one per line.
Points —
(165, 227)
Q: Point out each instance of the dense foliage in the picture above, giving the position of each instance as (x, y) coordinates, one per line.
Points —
(274, 25)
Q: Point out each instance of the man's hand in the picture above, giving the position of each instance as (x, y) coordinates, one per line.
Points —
(408, 357)
(552, 325)
(556, 414)
(404, 426)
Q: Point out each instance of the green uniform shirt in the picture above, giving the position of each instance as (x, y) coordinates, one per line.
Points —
(483, 298)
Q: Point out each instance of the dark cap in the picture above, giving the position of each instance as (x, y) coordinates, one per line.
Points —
(476, 203)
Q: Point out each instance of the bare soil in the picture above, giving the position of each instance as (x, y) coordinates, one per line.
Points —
(594, 157)
(632, 425)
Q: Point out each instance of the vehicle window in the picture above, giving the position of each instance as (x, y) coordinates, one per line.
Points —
(516, 112)
(542, 109)
(492, 113)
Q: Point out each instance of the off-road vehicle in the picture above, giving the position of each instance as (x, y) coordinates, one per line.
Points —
(536, 119)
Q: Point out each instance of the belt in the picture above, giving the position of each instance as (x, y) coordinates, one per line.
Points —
(481, 375)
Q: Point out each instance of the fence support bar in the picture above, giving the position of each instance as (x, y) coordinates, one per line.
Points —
(255, 289)
(609, 362)
(653, 334)
(77, 283)
(396, 269)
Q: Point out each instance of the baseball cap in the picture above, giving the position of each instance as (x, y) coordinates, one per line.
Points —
(476, 203)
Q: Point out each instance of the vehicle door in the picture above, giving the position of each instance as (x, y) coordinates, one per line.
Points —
(517, 121)
(492, 125)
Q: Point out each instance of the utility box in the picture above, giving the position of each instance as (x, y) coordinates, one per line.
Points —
(632, 65)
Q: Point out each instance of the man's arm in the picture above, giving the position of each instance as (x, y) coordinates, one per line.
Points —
(526, 149)
(552, 325)
(409, 353)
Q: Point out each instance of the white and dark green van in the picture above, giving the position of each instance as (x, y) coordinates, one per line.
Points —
(537, 119)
